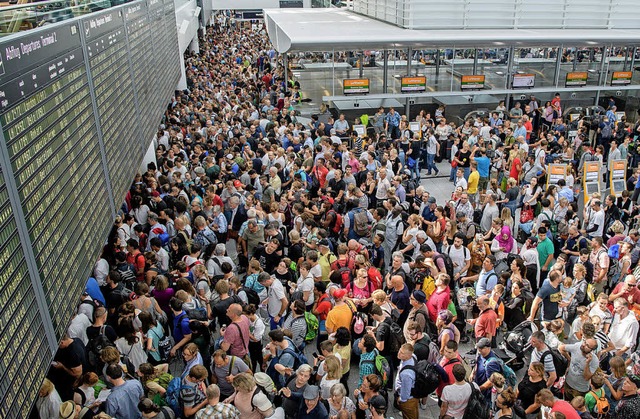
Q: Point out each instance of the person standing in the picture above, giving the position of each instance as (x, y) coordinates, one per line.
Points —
(433, 149)
(405, 380)
(456, 396)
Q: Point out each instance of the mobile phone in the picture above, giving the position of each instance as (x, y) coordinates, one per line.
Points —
(315, 354)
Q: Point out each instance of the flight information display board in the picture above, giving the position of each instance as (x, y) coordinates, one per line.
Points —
(73, 98)
(112, 80)
(49, 127)
(139, 38)
(23, 343)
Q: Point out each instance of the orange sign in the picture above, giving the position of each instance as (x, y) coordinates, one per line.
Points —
(621, 77)
(413, 84)
(576, 78)
(472, 81)
(351, 86)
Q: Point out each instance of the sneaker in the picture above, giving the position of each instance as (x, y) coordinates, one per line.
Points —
(472, 352)
(423, 406)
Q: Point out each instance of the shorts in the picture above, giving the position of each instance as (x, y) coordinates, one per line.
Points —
(483, 183)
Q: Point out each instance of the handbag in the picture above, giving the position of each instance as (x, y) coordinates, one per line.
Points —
(526, 214)
(454, 163)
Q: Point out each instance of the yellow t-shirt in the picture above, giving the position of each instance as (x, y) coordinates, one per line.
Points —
(325, 264)
(472, 183)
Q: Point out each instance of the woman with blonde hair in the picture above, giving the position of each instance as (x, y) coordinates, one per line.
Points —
(333, 373)
(48, 402)
(380, 299)
(507, 219)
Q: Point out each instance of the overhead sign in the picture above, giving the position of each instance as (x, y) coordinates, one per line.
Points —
(472, 82)
(576, 78)
(413, 84)
(355, 86)
(621, 77)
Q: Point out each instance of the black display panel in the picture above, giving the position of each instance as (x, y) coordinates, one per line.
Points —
(73, 96)
(112, 80)
(50, 130)
(23, 343)
(143, 67)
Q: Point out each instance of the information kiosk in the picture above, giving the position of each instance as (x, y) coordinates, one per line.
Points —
(590, 179)
(618, 177)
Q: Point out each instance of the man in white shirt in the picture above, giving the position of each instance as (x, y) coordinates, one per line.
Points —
(460, 256)
(595, 227)
(624, 328)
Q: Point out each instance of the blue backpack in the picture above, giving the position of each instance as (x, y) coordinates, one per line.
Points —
(172, 396)
(165, 238)
(507, 371)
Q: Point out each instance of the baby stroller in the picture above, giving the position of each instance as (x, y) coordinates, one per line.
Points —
(515, 344)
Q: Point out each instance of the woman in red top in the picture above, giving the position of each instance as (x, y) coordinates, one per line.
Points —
(440, 298)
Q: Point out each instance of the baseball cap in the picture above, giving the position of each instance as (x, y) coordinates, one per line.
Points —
(419, 296)
(483, 343)
(328, 199)
(431, 200)
(237, 184)
(339, 293)
(323, 242)
(311, 393)
(230, 156)
(378, 403)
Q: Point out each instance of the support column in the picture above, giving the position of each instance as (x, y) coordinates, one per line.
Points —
(575, 59)
(556, 74)
(438, 63)
(407, 107)
(512, 51)
(633, 58)
(385, 70)
(601, 75)
(285, 61)
(475, 61)
(361, 60)
(182, 83)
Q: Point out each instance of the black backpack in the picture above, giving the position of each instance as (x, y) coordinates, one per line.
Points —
(96, 345)
(252, 296)
(448, 263)
(428, 378)
(560, 363)
(93, 303)
(477, 406)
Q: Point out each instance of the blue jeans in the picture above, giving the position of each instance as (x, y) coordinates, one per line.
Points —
(452, 174)
(273, 324)
(467, 172)
(415, 171)
(431, 163)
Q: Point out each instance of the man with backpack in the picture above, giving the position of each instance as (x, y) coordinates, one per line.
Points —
(286, 358)
(539, 354)
(235, 338)
(192, 395)
(100, 335)
(405, 382)
(487, 362)
(224, 368)
(357, 222)
(455, 396)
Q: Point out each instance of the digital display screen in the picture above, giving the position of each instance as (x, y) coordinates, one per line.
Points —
(79, 103)
(23, 344)
(523, 80)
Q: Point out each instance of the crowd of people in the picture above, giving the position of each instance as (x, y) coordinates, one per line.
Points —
(257, 239)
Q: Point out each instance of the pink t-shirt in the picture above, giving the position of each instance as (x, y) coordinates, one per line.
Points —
(237, 335)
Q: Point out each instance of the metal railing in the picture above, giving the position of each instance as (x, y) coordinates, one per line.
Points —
(26, 16)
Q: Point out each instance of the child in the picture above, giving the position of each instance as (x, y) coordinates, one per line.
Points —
(593, 399)
(568, 292)
(560, 264)
(578, 404)
(582, 315)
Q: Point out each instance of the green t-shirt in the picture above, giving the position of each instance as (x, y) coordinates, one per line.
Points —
(545, 248)
(590, 400)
